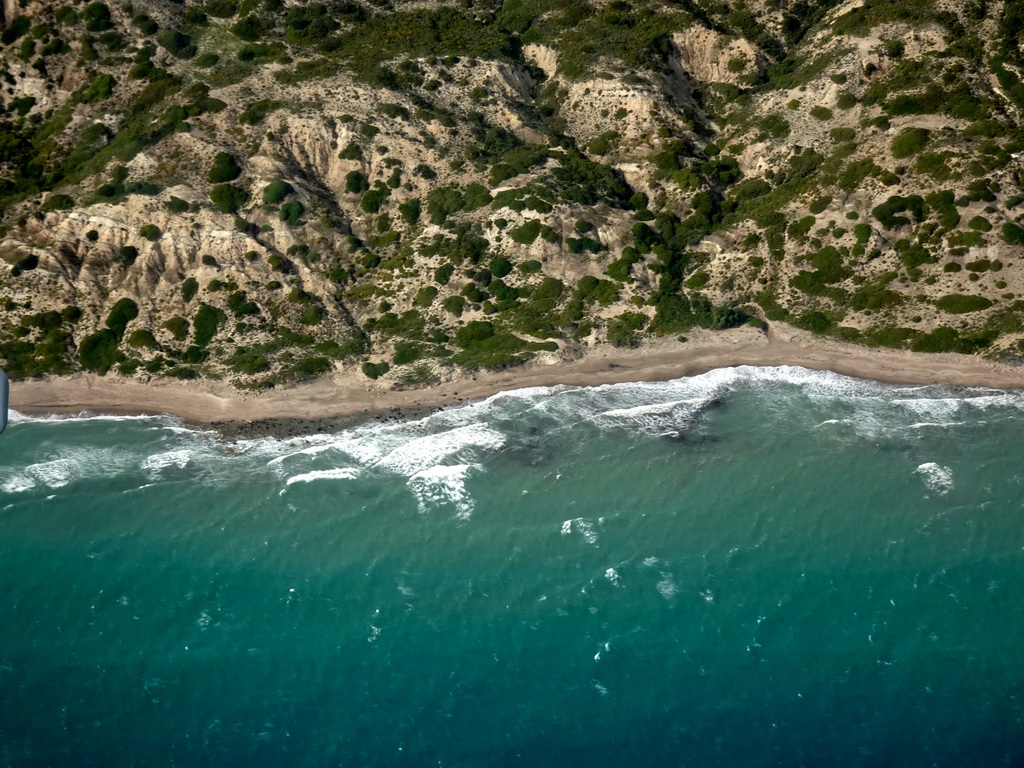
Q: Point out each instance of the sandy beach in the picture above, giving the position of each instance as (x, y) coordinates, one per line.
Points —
(348, 397)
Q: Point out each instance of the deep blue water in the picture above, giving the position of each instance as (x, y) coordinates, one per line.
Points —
(755, 567)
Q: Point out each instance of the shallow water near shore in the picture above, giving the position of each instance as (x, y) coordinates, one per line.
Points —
(757, 566)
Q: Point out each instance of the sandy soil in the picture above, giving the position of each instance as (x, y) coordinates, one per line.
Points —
(350, 396)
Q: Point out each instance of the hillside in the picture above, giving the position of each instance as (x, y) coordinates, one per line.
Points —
(265, 191)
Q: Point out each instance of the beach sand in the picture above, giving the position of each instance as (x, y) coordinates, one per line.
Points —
(347, 397)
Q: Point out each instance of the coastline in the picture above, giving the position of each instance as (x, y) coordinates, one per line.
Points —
(346, 398)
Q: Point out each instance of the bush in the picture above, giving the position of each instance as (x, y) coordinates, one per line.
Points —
(526, 233)
(142, 339)
(909, 142)
(819, 204)
(178, 44)
(425, 296)
(150, 232)
(530, 267)
(311, 315)
(375, 370)
(57, 203)
(1013, 234)
(841, 135)
(176, 205)
(291, 213)
(277, 191)
(500, 266)
(980, 223)
(958, 303)
(225, 168)
(126, 255)
(122, 313)
(177, 326)
(228, 198)
(98, 351)
(257, 112)
(206, 60)
(97, 18)
(372, 201)
(454, 304)
(356, 183)
(622, 329)
(207, 321)
(821, 113)
(410, 211)
(189, 288)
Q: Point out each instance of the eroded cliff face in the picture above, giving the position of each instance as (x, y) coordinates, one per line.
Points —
(266, 192)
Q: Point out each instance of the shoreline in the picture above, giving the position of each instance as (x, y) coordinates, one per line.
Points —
(348, 398)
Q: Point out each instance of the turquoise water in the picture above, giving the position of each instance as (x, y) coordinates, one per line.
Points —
(749, 568)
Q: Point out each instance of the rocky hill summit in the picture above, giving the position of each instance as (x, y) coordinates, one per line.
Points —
(263, 191)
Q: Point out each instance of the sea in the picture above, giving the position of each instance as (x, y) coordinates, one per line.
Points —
(751, 567)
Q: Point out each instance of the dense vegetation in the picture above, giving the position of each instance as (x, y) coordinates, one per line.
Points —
(266, 191)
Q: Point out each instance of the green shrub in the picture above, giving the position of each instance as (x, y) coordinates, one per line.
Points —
(57, 203)
(819, 204)
(257, 112)
(425, 296)
(178, 44)
(98, 351)
(407, 352)
(228, 198)
(527, 232)
(909, 142)
(410, 211)
(97, 17)
(206, 322)
(454, 304)
(150, 232)
(225, 168)
(291, 213)
(126, 255)
(311, 315)
(530, 267)
(206, 60)
(142, 338)
(841, 135)
(1013, 234)
(356, 183)
(352, 151)
(980, 223)
(372, 201)
(623, 329)
(958, 303)
(500, 266)
(122, 313)
(821, 113)
(189, 288)
(177, 326)
(375, 370)
(276, 191)
(176, 205)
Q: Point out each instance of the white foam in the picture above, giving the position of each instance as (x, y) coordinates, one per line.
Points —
(311, 451)
(613, 576)
(341, 473)
(55, 474)
(18, 484)
(179, 459)
(937, 479)
(16, 417)
(583, 526)
(431, 450)
(443, 485)
(667, 586)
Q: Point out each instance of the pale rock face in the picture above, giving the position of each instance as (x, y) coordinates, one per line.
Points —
(543, 57)
(705, 55)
